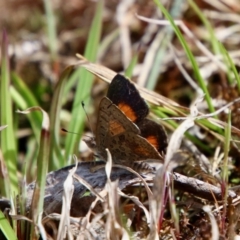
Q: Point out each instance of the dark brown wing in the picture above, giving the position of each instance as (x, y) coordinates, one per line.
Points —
(121, 136)
(155, 134)
(126, 97)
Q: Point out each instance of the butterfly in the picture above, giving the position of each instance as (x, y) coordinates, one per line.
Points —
(122, 126)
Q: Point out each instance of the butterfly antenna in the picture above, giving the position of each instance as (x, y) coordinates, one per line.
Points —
(90, 126)
(65, 130)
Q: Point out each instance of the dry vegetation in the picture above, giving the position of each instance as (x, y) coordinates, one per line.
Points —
(194, 194)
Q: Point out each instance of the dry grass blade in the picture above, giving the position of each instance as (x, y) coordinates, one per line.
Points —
(157, 202)
(138, 203)
(45, 122)
(89, 225)
(215, 231)
(88, 186)
(148, 190)
(108, 166)
(124, 21)
(100, 71)
(220, 5)
(114, 228)
(20, 217)
(64, 229)
(3, 127)
(41, 228)
(185, 29)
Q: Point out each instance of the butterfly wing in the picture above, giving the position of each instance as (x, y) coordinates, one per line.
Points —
(121, 136)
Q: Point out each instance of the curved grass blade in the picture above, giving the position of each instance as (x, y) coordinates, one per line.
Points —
(24, 99)
(56, 158)
(189, 55)
(232, 68)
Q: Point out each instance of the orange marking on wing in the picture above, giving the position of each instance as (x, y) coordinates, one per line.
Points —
(140, 151)
(153, 140)
(128, 111)
(115, 128)
(137, 149)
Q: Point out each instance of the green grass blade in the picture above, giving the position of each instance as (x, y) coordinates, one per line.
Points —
(210, 30)
(7, 137)
(130, 68)
(51, 28)
(163, 38)
(189, 55)
(106, 42)
(85, 83)
(232, 68)
(42, 164)
(6, 228)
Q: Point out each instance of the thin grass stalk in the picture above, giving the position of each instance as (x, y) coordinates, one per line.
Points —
(42, 169)
(225, 171)
(173, 208)
(7, 136)
(51, 28)
(130, 68)
(212, 38)
(163, 202)
(232, 67)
